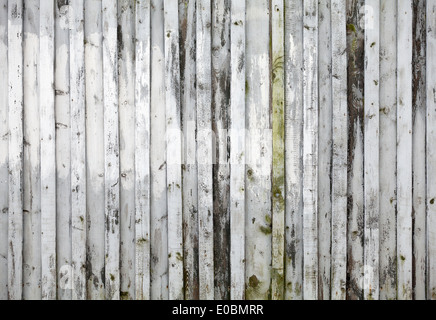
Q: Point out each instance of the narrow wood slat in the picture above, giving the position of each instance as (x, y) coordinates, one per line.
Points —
(15, 120)
(278, 156)
(111, 144)
(388, 150)
(294, 148)
(237, 150)
(404, 150)
(142, 151)
(48, 150)
(4, 129)
(340, 150)
(325, 148)
(310, 150)
(174, 156)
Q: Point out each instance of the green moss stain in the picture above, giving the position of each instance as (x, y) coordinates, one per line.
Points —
(432, 201)
(265, 230)
(254, 290)
(124, 295)
(351, 28)
(179, 256)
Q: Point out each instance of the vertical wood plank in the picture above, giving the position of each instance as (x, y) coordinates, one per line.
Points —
(294, 148)
(142, 151)
(431, 148)
(258, 152)
(159, 217)
(31, 166)
(278, 156)
(15, 114)
(404, 149)
(95, 192)
(388, 150)
(371, 147)
(204, 150)
(63, 152)
(4, 134)
(418, 151)
(174, 155)
(355, 53)
(325, 148)
(78, 149)
(187, 26)
(220, 59)
(48, 150)
(111, 143)
(310, 150)
(126, 99)
(340, 143)
(237, 150)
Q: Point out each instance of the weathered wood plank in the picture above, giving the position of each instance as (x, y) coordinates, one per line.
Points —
(431, 148)
(258, 152)
(388, 150)
(237, 149)
(48, 149)
(294, 148)
(418, 151)
(78, 149)
(325, 148)
(159, 218)
(126, 100)
(371, 147)
(278, 145)
(142, 151)
(310, 150)
(340, 143)
(174, 153)
(31, 166)
(15, 120)
(63, 151)
(404, 149)
(4, 134)
(95, 192)
(220, 59)
(355, 53)
(187, 27)
(111, 144)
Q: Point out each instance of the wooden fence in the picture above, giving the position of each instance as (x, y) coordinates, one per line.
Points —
(217, 149)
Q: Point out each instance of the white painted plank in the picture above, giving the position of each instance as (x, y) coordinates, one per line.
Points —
(174, 152)
(111, 143)
(294, 148)
(388, 150)
(258, 152)
(158, 201)
(204, 150)
(278, 156)
(78, 149)
(187, 25)
(371, 153)
(15, 114)
(310, 150)
(31, 165)
(95, 193)
(142, 151)
(237, 150)
(4, 137)
(404, 150)
(340, 150)
(63, 152)
(418, 151)
(48, 149)
(325, 148)
(431, 148)
(126, 98)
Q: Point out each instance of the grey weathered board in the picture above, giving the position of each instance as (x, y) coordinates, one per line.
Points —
(217, 149)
